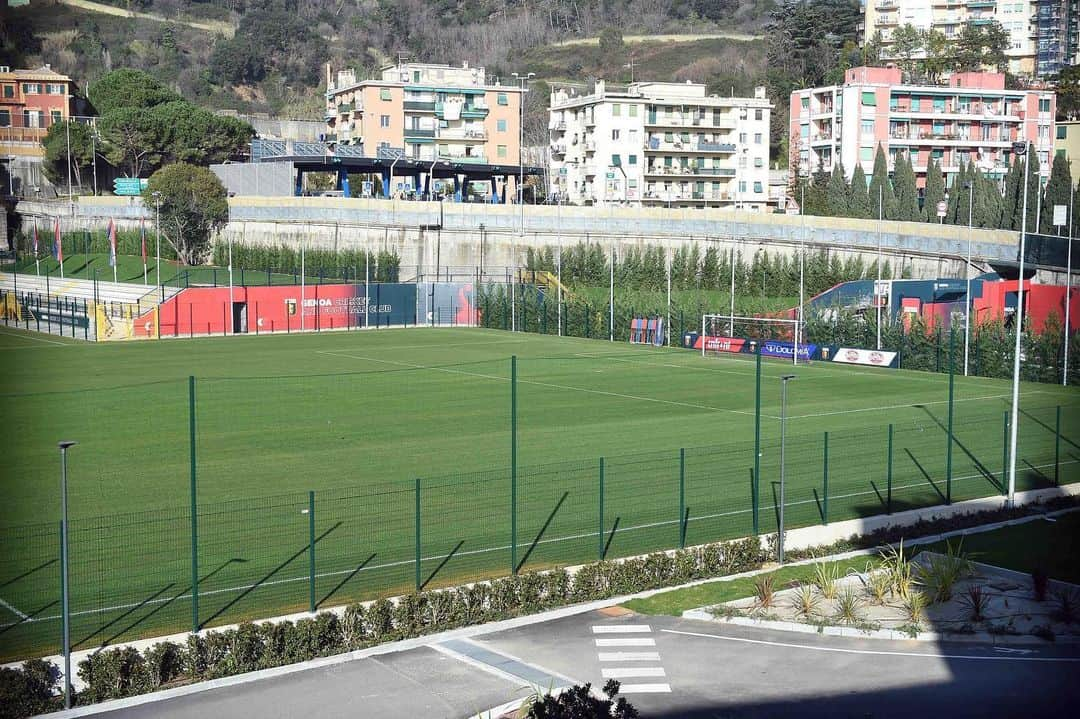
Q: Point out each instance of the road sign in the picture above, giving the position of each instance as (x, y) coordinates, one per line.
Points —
(1059, 215)
(129, 186)
(942, 208)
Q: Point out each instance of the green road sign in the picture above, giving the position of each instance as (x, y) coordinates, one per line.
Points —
(129, 186)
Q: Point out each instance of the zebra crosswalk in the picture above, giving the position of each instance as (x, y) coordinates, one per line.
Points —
(630, 665)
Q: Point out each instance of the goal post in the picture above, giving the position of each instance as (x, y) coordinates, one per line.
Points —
(728, 333)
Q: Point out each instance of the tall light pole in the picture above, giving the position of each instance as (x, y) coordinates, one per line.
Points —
(1068, 286)
(877, 299)
(157, 234)
(970, 187)
(93, 152)
(1020, 148)
(67, 136)
(64, 593)
(523, 82)
(783, 427)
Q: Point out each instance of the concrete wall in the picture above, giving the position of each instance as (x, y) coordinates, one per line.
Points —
(468, 235)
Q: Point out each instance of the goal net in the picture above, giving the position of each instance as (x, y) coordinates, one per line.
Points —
(769, 336)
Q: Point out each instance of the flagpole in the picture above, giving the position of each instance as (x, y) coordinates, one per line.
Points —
(142, 237)
(60, 246)
(112, 249)
(37, 257)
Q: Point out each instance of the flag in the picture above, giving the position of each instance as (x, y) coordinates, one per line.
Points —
(112, 244)
(58, 247)
(142, 236)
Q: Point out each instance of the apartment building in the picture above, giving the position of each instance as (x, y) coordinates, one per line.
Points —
(30, 102)
(660, 144)
(1043, 33)
(1067, 144)
(973, 118)
(424, 111)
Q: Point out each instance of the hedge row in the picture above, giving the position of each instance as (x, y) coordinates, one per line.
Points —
(122, 672)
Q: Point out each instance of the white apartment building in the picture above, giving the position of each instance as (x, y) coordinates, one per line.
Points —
(660, 144)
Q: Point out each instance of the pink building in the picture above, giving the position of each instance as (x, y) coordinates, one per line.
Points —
(973, 118)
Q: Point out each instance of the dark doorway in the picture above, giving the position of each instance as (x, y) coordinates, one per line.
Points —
(239, 315)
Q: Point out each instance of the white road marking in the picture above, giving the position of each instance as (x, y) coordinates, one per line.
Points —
(541, 384)
(629, 656)
(622, 629)
(632, 672)
(626, 642)
(872, 652)
(645, 689)
(14, 610)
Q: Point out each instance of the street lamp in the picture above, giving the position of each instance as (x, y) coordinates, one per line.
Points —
(1021, 149)
(523, 81)
(783, 423)
(157, 234)
(970, 187)
(64, 593)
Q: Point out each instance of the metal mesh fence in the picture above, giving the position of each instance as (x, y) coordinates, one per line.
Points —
(141, 574)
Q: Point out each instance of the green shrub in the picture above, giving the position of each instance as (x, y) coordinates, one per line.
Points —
(28, 690)
(111, 673)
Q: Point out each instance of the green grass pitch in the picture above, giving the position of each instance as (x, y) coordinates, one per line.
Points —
(357, 417)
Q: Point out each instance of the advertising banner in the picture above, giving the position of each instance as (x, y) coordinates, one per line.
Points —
(720, 344)
(780, 348)
(873, 358)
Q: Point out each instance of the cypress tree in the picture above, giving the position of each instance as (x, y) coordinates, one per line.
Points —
(859, 198)
(881, 190)
(1033, 185)
(1056, 193)
(988, 201)
(836, 192)
(935, 191)
(1012, 191)
(957, 214)
(907, 197)
(816, 193)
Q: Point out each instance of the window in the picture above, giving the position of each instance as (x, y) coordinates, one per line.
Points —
(632, 184)
(633, 135)
(866, 154)
(632, 159)
(500, 150)
(869, 98)
(742, 185)
(384, 121)
(502, 99)
(416, 76)
(384, 94)
(758, 162)
(868, 127)
(915, 104)
(757, 187)
(757, 114)
(9, 91)
(444, 149)
(1061, 132)
(614, 134)
(616, 109)
(633, 110)
(939, 104)
(54, 89)
(30, 88)
(742, 161)
(1044, 104)
(5, 118)
(804, 131)
(669, 137)
(667, 161)
(805, 103)
(57, 116)
(500, 125)
(757, 138)
(1044, 132)
(685, 137)
(894, 103)
(616, 161)
(742, 138)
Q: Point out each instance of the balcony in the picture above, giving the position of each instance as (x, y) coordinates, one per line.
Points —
(330, 137)
(558, 126)
(465, 159)
(727, 147)
(474, 111)
(419, 132)
(345, 108)
(558, 148)
(420, 105)
(982, 3)
(457, 133)
(715, 171)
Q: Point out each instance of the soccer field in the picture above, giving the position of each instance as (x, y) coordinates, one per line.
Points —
(355, 418)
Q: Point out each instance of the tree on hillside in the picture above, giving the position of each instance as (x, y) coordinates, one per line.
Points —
(1056, 193)
(611, 42)
(907, 43)
(881, 193)
(982, 45)
(907, 195)
(193, 206)
(934, 192)
(134, 140)
(1068, 93)
(836, 193)
(128, 88)
(859, 198)
(55, 145)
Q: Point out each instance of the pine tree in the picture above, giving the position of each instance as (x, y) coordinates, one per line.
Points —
(859, 198)
(1056, 193)
(836, 192)
(907, 196)
(935, 191)
(881, 190)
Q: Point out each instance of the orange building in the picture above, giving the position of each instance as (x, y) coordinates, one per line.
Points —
(30, 102)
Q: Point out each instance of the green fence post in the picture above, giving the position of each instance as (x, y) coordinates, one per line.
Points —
(513, 464)
(194, 511)
(825, 473)
(416, 523)
(949, 439)
(682, 497)
(1057, 444)
(600, 533)
(888, 476)
(1004, 453)
(754, 490)
(311, 550)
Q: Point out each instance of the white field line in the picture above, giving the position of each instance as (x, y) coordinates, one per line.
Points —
(392, 348)
(873, 652)
(502, 548)
(538, 384)
(898, 406)
(13, 610)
